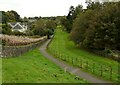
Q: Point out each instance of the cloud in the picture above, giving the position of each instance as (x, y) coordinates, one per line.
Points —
(39, 7)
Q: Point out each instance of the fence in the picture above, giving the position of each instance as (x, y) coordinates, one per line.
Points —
(105, 71)
(13, 51)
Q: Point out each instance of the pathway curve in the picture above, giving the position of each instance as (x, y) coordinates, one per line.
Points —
(74, 70)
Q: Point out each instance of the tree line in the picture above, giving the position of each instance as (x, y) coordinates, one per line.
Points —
(95, 28)
(41, 27)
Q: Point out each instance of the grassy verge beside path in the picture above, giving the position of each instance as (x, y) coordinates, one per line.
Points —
(33, 67)
(64, 49)
(0, 70)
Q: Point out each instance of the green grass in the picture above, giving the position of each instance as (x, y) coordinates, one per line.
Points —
(33, 67)
(0, 70)
(62, 47)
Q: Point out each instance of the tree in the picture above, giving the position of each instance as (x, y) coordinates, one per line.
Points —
(10, 16)
(98, 28)
(16, 15)
(4, 17)
(80, 26)
(73, 13)
(40, 27)
(44, 27)
(6, 29)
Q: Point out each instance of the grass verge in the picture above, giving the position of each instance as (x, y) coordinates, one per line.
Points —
(0, 70)
(33, 67)
(64, 49)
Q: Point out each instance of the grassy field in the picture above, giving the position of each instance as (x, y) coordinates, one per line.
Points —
(61, 47)
(33, 67)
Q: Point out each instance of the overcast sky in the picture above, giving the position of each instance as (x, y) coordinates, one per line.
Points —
(31, 8)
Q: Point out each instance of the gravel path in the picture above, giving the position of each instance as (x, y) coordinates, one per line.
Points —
(74, 70)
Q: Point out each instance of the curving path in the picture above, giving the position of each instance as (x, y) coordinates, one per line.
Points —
(74, 70)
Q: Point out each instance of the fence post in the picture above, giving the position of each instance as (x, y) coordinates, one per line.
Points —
(76, 61)
(101, 69)
(81, 63)
(60, 56)
(93, 67)
(64, 58)
(56, 55)
(72, 60)
(87, 65)
(68, 58)
(110, 72)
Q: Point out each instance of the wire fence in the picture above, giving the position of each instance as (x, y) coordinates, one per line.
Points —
(105, 71)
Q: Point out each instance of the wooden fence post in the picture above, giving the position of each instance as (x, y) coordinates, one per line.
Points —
(110, 72)
(60, 56)
(101, 70)
(68, 58)
(93, 67)
(81, 63)
(64, 58)
(72, 60)
(76, 61)
(87, 65)
(56, 55)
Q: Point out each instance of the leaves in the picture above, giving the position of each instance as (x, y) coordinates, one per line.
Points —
(98, 27)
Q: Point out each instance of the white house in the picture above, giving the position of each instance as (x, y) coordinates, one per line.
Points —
(21, 27)
(32, 20)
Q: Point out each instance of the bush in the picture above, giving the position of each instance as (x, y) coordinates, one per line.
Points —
(18, 33)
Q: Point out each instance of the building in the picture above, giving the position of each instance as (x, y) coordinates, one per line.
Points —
(18, 26)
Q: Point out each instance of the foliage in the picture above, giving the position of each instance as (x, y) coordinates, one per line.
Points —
(0, 18)
(18, 33)
(98, 27)
(10, 16)
(44, 27)
(6, 29)
(73, 13)
(39, 28)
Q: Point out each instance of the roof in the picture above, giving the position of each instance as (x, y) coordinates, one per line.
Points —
(17, 26)
(12, 23)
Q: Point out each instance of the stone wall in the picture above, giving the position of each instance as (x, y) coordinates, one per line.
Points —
(14, 51)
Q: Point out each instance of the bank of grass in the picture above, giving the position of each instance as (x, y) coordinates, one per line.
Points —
(33, 67)
(62, 47)
(0, 70)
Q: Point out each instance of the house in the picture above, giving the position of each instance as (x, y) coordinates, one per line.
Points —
(32, 20)
(18, 26)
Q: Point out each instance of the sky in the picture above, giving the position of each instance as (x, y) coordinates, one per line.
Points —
(44, 8)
